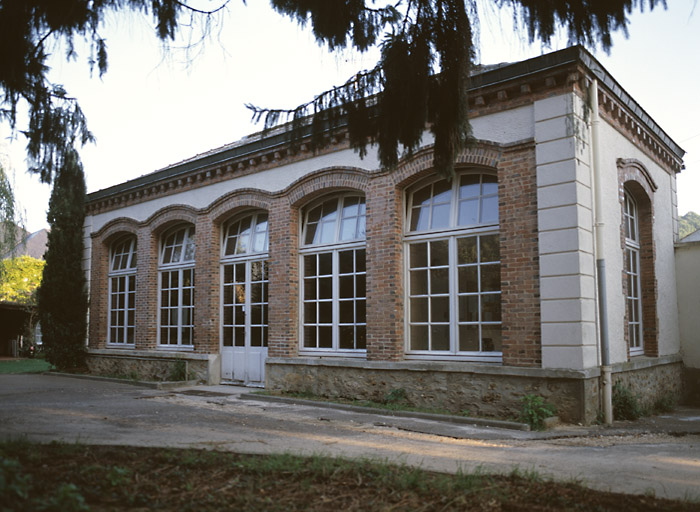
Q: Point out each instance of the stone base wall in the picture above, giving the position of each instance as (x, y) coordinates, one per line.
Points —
(691, 386)
(480, 389)
(155, 366)
(652, 378)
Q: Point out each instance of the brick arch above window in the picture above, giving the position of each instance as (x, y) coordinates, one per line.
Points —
(636, 182)
(327, 181)
(115, 229)
(632, 170)
(167, 217)
(485, 155)
(236, 202)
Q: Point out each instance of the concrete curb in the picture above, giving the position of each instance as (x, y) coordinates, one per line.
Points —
(462, 420)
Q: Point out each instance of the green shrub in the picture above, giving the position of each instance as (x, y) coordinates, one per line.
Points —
(178, 372)
(625, 404)
(534, 410)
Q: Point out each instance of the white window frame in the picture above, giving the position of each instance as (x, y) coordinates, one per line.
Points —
(334, 248)
(633, 298)
(451, 233)
(184, 263)
(248, 257)
(122, 272)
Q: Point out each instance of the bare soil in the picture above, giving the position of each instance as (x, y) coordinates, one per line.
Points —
(115, 478)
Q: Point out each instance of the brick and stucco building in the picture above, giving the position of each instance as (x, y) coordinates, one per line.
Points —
(320, 271)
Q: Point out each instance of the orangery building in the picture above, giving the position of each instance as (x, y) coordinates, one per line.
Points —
(264, 264)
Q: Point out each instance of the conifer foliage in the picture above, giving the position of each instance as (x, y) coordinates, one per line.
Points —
(422, 78)
(419, 83)
(62, 296)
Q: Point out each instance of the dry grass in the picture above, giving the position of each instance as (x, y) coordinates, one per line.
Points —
(108, 478)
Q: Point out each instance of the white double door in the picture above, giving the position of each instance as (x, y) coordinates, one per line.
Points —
(244, 286)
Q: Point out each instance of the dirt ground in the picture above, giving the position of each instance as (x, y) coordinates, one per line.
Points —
(78, 477)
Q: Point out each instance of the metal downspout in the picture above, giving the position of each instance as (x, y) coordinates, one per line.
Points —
(605, 368)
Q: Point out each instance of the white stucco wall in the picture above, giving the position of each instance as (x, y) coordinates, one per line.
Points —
(688, 283)
(614, 145)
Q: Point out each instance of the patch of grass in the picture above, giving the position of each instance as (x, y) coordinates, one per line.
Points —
(25, 366)
(78, 478)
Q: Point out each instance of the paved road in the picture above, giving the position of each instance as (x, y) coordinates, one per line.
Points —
(49, 407)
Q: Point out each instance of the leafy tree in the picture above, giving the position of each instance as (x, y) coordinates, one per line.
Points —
(8, 216)
(62, 296)
(689, 223)
(19, 279)
(419, 82)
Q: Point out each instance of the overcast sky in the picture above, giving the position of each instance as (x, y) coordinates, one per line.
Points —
(153, 109)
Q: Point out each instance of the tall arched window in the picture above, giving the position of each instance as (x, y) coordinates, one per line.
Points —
(122, 291)
(633, 274)
(334, 275)
(244, 286)
(454, 270)
(176, 320)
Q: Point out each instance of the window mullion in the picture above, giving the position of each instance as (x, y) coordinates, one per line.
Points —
(454, 297)
(335, 294)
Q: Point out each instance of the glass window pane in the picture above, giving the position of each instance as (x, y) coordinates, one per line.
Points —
(490, 248)
(347, 312)
(491, 338)
(442, 192)
(346, 262)
(325, 312)
(418, 255)
(310, 265)
(439, 253)
(468, 279)
(325, 264)
(419, 309)
(420, 218)
(469, 308)
(439, 280)
(360, 337)
(439, 309)
(490, 278)
(360, 260)
(489, 210)
(491, 304)
(310, 312)
(309, 289)
(467, 250)
(489, 184)
(347, 286)
(422, 196)
(468, 212)
(360, 312)
(311, 229)
(419, 282)
(325, 337)
(419, 337)
(346, 337)
(469, 338)
(441, 216)
(469, 185)
(348, 229)
(325, 288)
(310, 337)
(440, 337)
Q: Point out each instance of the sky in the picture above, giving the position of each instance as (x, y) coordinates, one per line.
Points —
(156, 107)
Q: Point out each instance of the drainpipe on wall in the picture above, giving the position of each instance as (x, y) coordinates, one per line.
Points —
(605, 368)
